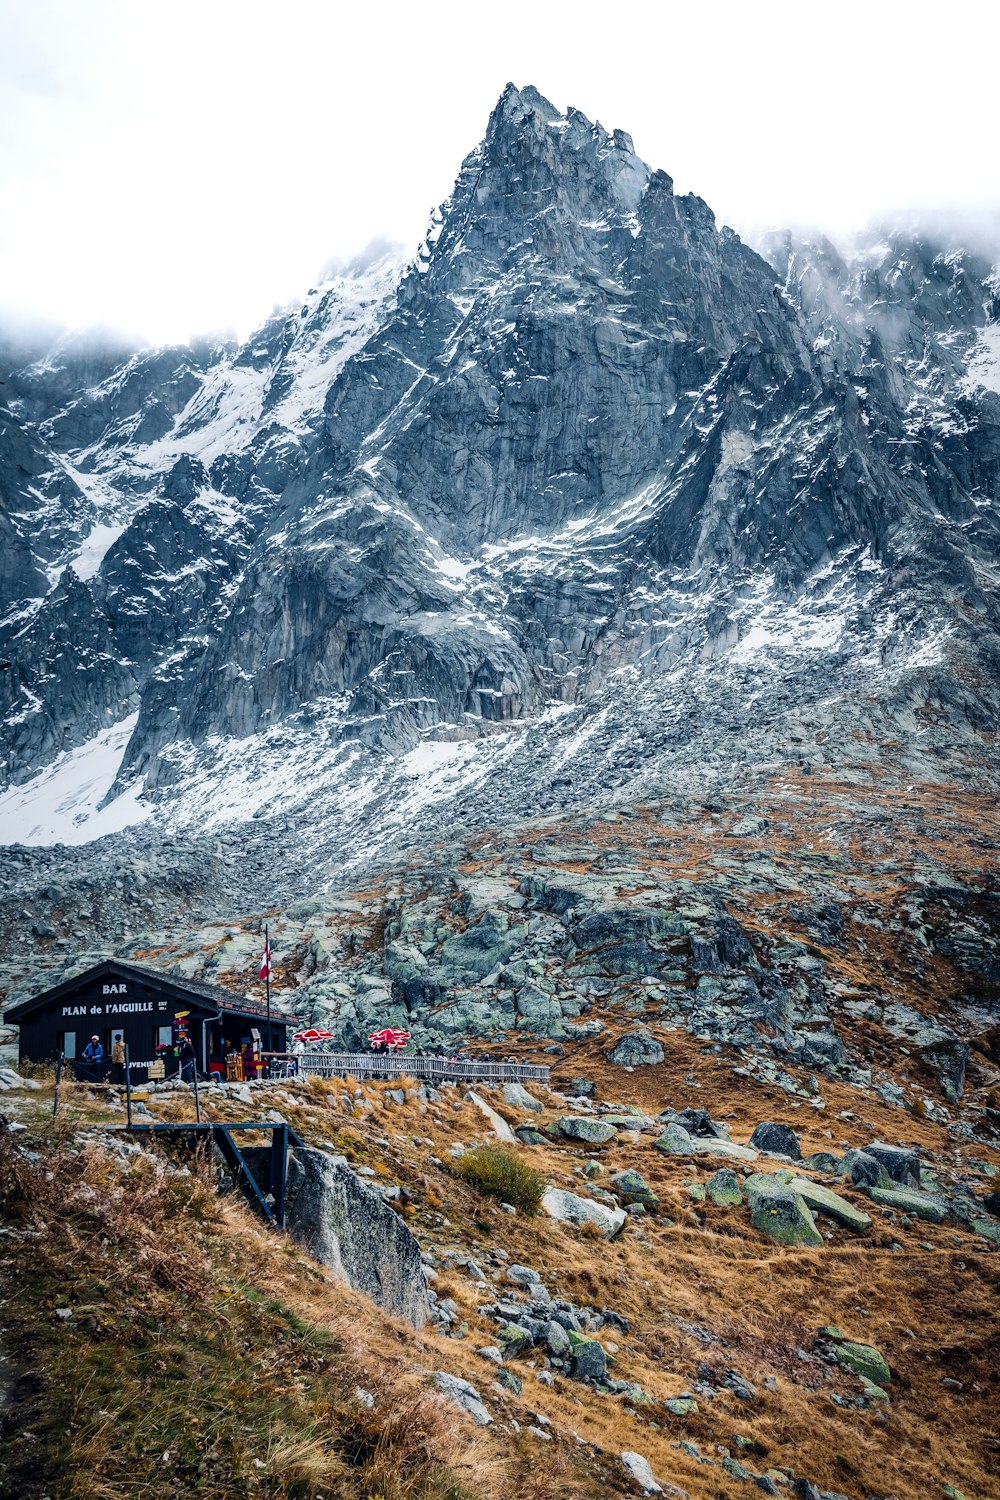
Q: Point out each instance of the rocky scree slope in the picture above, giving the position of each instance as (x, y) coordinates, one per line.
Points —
(815, 930)
(587, 468)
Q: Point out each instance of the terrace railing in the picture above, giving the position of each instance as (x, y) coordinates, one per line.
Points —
(412, 1065)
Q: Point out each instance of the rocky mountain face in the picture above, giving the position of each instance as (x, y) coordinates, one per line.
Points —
(587, 499)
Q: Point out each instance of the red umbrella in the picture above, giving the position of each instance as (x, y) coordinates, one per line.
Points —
(389, 1036)
(313, 1034)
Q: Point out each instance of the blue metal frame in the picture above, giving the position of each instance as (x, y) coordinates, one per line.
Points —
(283, 1137)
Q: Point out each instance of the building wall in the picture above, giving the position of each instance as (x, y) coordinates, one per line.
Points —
(109, 1004)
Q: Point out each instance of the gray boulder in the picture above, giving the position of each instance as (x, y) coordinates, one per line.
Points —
(821, 1161)
(638, 1470)
(496, 1122)
(572, 1209)
(464, 1396)
(910, 1201)
(631, 1120)
(902, 1165)
(863, 1169)
(675, 1141)
(346, 1226)
(699, 1123)
(517, 1095)
(556, 1340)
(582, 1128)
(723, 1188)
(946, 1056)
(636, 1049)
(821, 1200)
(632, 1187)
(588, 1359)
(780, 1212)
(779, 1140)
(514, 1339)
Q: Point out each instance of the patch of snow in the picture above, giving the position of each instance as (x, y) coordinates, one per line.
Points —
(983, 370)
(431, 756)
(96, 545)
(61, 804)
(455, 569)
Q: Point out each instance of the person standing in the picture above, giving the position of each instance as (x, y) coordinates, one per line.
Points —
(118, 1061)
(249, 1061)
(186, 1057)
(93, 1059)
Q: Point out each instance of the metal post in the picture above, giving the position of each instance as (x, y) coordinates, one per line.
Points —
(279, 1171)
(197, 1101)
(55, 1096)
(128, 1086)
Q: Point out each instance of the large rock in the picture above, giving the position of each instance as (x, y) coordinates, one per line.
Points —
(588, 1360)
(636, 1049)
(514, 1339)
(909, 1201)
(723, 1188)
(9, 1079)
(638, 1470)
(346, 1226)
(989, 1229)
(863, 1360)
(699, 1123)
(675, 1141)
(820, 1200)
(556, 1339)
(902, 1165)
(497, 1123)
(779, 1211)
(572, 1209)
(517, 1095)
(732, 1150)
(583, 1128)
(863, 1169)
(464, 1396)
(946, 1056)
(631, 1120)
(632, 1187)
(779, 1140)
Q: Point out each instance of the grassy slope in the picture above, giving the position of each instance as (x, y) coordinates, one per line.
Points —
(196, 1334)
(200, 1356)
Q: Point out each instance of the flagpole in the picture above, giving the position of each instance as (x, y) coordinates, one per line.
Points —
(267, 982)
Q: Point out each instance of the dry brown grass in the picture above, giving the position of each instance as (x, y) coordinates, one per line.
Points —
(197, 1356)
(701, 1292)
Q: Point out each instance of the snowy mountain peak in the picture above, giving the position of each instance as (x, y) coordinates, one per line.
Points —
(587, 499)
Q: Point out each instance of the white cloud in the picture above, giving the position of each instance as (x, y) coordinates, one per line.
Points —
(182, 167)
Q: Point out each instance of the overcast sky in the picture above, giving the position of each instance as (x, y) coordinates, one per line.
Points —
(178, 167)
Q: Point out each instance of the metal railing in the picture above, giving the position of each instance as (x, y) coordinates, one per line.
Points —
(394, 1065)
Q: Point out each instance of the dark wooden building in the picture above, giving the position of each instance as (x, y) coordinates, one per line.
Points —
(146, 1008)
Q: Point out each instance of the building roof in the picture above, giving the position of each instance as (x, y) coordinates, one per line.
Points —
(209, 997)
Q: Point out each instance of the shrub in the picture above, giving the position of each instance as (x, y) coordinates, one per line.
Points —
(504, 1175)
